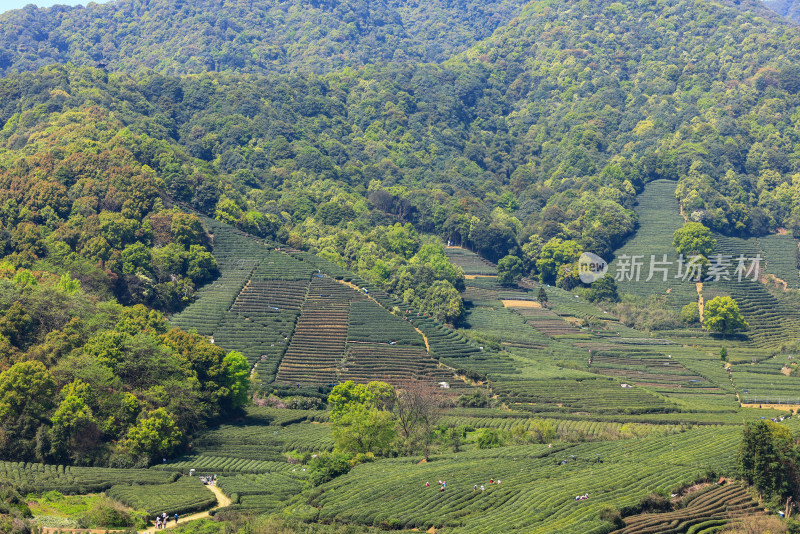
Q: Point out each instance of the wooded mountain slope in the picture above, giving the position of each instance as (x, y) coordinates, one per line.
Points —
(178, 37)
(557, 119)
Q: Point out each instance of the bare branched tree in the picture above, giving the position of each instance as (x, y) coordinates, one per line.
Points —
(418, 408)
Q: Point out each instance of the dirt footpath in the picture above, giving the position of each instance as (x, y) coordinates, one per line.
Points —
(222, 501)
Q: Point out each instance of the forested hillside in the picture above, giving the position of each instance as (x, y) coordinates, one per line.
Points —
(545, 131)
(207, 204)
(246, 36)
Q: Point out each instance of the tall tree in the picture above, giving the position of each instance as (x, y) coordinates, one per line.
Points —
(722, 315)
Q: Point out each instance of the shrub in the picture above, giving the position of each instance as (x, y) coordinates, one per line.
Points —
(479, 399)
(328, 466)
(109, 514)
(690, 314)
(612, 515)
(489, 438)
(655, 502)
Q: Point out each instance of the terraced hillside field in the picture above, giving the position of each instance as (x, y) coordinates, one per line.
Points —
(290, 314)
(781, 254)
(33, 477)
(537, 486)
(659, 217)
(700, 512)
(318, 344)
(470, 263)
(772, 321)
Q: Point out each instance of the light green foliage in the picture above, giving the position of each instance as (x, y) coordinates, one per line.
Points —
(349, 394)
(537, 431)
(556, 254)
(238, 372)
(68, 285)
(433, 256)
(72, 414)
(722, 315)
(26, 389)
(138, 319)
(25, 278)
(690, 314)
(403, 240)
(107, 347)
(156, 435)
(363, 428)
(361, 422)
(693, 239)
(227, 211)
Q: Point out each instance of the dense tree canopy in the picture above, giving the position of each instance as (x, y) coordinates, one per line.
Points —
(722, 315)
(768, 459)
(78, 373)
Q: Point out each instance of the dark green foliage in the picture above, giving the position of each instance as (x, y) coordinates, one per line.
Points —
(768, 459)
(478, 399)
(541, 297)
(489, 438)
(108, 371)
(327, 466)
(604, 289)
(268, 37)
(509, 270)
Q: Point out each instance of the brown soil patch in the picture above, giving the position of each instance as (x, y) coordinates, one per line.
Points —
(786, 371)
(474, 276)
(521, 304)
(782, 231)
(786, 407)
(700, 303)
